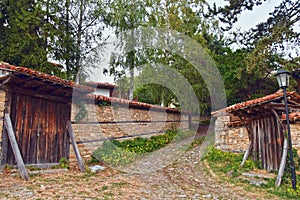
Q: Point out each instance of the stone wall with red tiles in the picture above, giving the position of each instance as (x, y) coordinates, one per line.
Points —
(103, 122)
(236, 138)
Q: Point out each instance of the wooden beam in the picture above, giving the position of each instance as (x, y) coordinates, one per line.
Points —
(31, 82)
(294, 102)
(247, 153)
(244, 121)
(282, 163)
(75, 147)
(40, 95)
(250, 146)
(5, 80)
(279, 106)
(15, 148)
(278, 119)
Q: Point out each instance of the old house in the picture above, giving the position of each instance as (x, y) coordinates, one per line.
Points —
(38, 106)
(103, 89)
(258, 126)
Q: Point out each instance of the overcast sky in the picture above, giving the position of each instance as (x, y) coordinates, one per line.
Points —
(248, 19)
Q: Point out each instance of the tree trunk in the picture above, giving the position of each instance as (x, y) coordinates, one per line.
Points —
(131, 67)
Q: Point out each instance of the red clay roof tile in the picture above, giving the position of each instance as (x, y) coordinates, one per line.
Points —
(257, 101)
(43, 76)
(254, 102)
(295, 116)
(101, 85)
(135, 104)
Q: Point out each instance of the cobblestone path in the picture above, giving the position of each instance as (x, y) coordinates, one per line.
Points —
(186, 178)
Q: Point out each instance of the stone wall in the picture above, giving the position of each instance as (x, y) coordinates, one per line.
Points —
(295, 134)
(2, 106)
(103, 122)
(230, 138)
(236, 138)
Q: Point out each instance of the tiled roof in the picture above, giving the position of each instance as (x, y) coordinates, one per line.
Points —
(101, 85)
(31, 72)
(295, 116)
(293, 99)
(257, 101)
(134, 104)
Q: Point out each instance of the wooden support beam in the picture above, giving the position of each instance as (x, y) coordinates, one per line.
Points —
(48, 96)
(284, 154)
(250, 146)
(278, 118)
(15, 148)
(247, 153)
(75, 147)
(280, 106)
(282, 163)
(294, 102)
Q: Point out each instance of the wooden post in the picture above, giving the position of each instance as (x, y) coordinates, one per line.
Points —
(282, 163)
(278, 118)
(247, 153)
(250, 146)
(75, 147)
(15, 148)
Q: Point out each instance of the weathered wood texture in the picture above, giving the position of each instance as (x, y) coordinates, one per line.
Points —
(15, 148)
(75, 147)
(40, 129)
(267, 140)
(282, 163)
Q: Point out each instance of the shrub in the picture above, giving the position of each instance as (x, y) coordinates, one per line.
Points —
(116, 153)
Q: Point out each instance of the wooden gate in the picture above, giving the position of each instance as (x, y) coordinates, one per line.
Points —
(267, 141)
(40, 128)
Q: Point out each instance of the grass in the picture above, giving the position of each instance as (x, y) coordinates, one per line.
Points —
(227, 164)
(120, 153)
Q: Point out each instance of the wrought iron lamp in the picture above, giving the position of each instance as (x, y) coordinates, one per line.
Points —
(283, 77)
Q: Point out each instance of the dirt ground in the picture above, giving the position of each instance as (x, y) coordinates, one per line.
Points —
(186, 178)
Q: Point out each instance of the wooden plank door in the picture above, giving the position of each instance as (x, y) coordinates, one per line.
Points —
(40, 126)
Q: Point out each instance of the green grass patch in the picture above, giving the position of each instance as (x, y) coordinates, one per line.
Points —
(196, 142)
(228, 162)
(119, 153)
(224, 163)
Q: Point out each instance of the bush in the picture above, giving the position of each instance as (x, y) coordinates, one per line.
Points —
(113, 155)
(116, 153)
